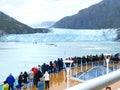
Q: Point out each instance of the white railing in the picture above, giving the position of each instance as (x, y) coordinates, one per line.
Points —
(98, 83)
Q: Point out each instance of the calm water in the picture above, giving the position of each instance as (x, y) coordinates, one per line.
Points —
(18, 56)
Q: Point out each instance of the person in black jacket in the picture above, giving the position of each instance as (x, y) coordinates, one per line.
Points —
(20, 80)
(37, 76)
(25, 76)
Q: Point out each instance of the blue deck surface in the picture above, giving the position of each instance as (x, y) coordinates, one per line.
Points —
(93, 73)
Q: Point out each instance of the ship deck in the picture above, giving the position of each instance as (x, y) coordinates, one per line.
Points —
(58, 81)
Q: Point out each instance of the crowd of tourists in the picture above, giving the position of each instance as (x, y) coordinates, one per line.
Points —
(39, 76)
(94, 58)
(27, 79)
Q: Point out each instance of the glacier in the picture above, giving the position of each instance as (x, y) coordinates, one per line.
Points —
(64, 35)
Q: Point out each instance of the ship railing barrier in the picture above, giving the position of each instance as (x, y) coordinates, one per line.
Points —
(1, 85)
(98, 83)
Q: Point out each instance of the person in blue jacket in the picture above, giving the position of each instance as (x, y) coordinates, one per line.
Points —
(10, 80)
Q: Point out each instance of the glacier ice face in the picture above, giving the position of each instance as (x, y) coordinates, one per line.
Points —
(64, 35)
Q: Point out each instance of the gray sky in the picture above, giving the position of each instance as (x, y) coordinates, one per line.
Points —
(32, 12)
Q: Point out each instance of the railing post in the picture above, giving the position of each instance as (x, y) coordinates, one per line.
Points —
(81, 65)
(86, 65)
(68, 70)
(107, 59)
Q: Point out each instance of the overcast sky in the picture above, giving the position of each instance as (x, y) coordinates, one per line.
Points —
(33, 12)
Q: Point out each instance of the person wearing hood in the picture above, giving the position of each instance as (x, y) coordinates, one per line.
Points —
(5, 86)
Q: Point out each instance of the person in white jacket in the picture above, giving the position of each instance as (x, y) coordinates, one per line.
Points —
(47, 79)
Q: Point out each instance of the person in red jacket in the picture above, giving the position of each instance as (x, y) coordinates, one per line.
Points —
(35, 70)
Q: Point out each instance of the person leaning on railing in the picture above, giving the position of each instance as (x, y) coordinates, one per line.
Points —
(10, 80)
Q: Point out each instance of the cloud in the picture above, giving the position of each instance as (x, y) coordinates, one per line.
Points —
(32, 12)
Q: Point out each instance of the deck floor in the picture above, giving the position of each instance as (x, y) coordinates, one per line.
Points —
(58, 81)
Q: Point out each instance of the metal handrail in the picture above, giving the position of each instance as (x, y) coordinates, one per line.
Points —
(102, 82)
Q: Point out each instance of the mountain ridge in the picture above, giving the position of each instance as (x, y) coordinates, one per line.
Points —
(103, 15)
(9, 25)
